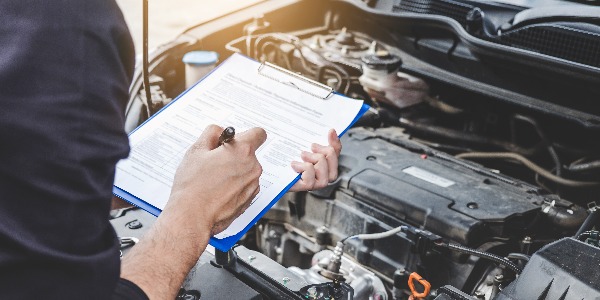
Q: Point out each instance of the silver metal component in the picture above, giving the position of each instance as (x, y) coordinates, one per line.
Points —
(312, 292)
(479, 295)
(315, 42)
(526, 245)
(365, 283)
(374, 47)
(271, 268)
(344, 50)
(128, 240)
(332, 271)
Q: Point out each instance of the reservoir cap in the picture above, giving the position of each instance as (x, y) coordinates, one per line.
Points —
(201, 58)
(381, 60)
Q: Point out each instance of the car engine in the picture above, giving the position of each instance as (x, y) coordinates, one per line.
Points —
(475, 173)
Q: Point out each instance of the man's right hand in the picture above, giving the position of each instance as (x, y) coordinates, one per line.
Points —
(214, 185)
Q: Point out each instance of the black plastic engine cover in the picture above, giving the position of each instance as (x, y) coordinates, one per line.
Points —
(460, 202)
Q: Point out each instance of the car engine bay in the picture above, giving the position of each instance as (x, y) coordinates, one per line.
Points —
(474, 175)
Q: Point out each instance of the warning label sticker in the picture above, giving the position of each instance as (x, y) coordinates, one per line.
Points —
(428, 176)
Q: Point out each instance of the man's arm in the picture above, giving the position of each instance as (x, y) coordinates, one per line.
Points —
(213, 186)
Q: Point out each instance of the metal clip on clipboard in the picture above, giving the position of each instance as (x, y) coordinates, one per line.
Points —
(304, 84)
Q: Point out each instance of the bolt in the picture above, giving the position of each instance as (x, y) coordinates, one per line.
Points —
(527, 239)
(479, 295)
(251, 258)
(286, 280)
(472, 205)
(135, 224)
(499, 277)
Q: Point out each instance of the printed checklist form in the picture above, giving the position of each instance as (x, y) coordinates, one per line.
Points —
(293, 112)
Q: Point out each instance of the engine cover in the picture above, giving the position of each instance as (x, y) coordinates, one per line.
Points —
(460, 202)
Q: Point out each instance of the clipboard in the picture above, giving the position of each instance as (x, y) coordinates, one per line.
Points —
(277, 74)
(300, 85)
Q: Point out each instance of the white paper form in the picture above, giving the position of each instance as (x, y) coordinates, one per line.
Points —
(233, 95)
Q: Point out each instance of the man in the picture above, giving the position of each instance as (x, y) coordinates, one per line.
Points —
(65, 69)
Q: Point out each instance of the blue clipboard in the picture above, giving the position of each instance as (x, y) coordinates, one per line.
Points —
(227, 243)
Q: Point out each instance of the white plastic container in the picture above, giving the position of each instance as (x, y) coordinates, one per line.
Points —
(382, 81)
(197, 65)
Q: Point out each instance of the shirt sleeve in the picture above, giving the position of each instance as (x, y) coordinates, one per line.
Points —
(65, 71)
(127, 290)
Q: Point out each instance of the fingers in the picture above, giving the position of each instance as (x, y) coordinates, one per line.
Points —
(209, 139)
(331, 152)
(320, 167)
(307, 180)
(255, 137)
(332, 160)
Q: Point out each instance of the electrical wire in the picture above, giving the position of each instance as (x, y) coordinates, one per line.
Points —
(375, 236)
(145, 70)
(459, 248)
(486, 255)
(529, 164)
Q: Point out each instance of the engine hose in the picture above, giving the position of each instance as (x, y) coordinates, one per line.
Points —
(486, 255)
(529, 164)
(583, 167)
(593, 219)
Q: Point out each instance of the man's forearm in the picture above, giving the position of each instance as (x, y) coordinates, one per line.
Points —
(159, 263)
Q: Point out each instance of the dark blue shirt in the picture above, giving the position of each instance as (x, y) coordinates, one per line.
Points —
(65, 71)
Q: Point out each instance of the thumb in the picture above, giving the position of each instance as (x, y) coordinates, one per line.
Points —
(209, 139)
(254, 136)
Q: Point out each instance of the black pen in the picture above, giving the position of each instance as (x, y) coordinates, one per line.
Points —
(227, 135)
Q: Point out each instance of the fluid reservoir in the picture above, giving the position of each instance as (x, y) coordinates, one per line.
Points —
(197, 65)
(382, 81)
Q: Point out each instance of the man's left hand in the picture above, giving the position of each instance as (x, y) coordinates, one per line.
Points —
(319, 167)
